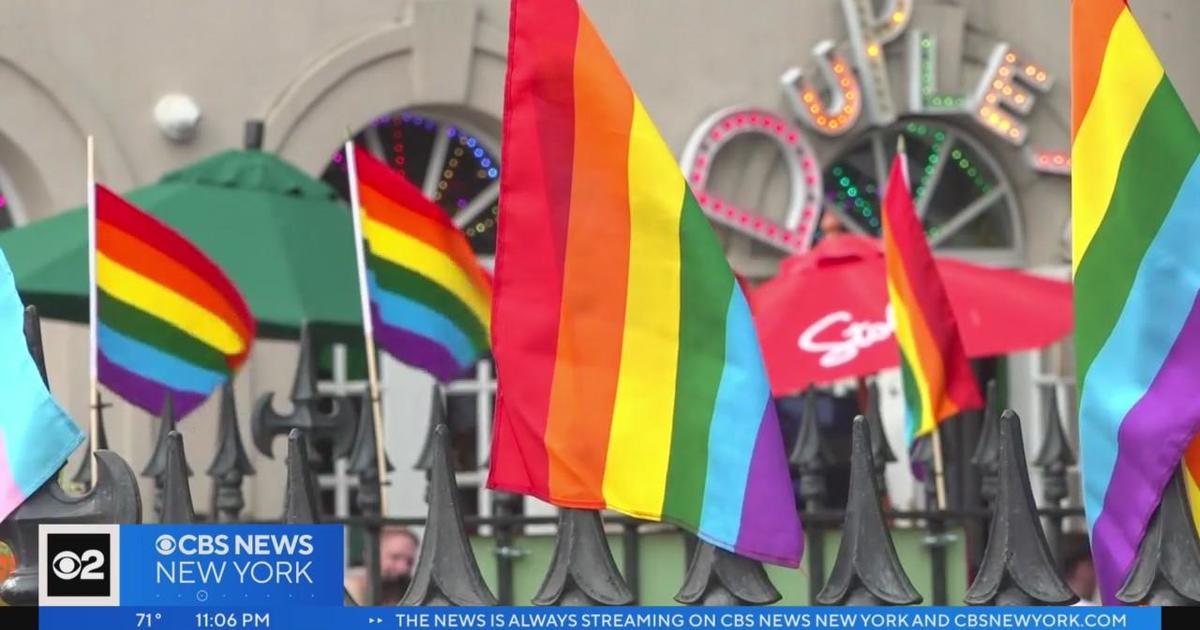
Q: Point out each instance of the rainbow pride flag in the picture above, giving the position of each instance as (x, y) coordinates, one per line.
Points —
(937, 378)
(1135, 199)
(630, 375)
(430, 298)
(36, 435)
(169, 321)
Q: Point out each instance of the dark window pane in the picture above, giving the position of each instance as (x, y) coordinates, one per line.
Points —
(461, 176)
(943, 166)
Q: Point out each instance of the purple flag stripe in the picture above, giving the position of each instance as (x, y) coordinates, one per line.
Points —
(143, 392)
(416, 350)
(768, 480)
(1160, 422)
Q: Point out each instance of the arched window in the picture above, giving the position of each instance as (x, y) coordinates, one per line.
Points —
(963, 197)
(453, 164)
(965, 200)
(447, 156)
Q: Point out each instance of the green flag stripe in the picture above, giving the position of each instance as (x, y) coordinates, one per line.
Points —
(414, 286)
(148, 329)
(705, 289)
(1162, 149)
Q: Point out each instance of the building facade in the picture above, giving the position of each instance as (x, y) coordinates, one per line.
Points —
(783, 113)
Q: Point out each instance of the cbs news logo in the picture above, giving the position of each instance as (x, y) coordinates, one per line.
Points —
(78, 565)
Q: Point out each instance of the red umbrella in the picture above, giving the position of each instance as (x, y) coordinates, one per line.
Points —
(826, 317)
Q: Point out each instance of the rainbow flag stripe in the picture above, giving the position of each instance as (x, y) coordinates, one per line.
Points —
(1135, 198)
(1191, 460)
(430, 299)
(938, 381)
(169, 320)
(36, 435)
(629, 369)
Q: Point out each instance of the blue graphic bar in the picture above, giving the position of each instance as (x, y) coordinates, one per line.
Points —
(231, 565)
(646, 618)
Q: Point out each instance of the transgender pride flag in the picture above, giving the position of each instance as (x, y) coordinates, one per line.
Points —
(36, 435)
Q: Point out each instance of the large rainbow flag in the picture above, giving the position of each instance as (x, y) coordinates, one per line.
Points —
(36, 435)
(430, 299)
(1135, 199)
(937, 378)
(169, 321)
(629, 369)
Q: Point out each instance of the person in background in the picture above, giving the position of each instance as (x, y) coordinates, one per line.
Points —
(397, 558)
(1081, 577)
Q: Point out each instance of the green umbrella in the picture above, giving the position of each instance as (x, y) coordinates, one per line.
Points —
(283, 237)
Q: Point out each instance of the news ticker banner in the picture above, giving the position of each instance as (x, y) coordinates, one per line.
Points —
(190, 565)
(268, 616)
(174, 577)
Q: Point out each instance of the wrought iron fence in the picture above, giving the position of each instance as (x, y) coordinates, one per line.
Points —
(1016, 565)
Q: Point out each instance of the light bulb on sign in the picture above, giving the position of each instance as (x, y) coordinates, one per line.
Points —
(1004, 93)
(842, 111)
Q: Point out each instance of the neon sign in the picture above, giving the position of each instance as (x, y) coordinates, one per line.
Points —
(856, 87)
(803, 208)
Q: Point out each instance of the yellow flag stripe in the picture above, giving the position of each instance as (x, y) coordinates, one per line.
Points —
(1128, 77)
(146, 295)
(907, 341)
(411, 253)
(635, 474)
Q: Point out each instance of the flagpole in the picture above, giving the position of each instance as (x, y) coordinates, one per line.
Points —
(939, 478)
(368, 326)
(93, 348)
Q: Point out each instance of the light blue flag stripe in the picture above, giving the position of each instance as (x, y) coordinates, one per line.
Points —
(36, 435)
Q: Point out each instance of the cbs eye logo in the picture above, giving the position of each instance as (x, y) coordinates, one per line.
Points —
(165, 545)
(78, 565)
(68, 565)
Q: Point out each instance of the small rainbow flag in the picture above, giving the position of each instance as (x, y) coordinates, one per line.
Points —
(1135, 203)
(36, 435)
(630, 375)
(938, 382)
(430, 298)
(169, 321)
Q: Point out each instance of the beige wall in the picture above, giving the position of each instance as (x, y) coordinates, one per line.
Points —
(312, 68)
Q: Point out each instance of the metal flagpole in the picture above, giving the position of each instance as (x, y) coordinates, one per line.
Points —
(939, 477)
(368, 326)
(93, 348)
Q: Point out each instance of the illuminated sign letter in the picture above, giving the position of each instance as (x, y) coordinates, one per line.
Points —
(710, 137)
(922, 77)
(845, 100)
(868, 33)
(1001, 97)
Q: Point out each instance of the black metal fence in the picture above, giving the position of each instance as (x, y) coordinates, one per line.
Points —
(1012, 554)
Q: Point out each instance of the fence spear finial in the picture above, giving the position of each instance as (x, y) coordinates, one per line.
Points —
(336, 425)
(582, 571)
(1017, 568)
(867, 571)
(808, 459)
(446, 573)
(986, 457)
(881, 451)
(716, 577)
(177, 493)
(230, 464)
(1167, 569)
(1054, 456)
